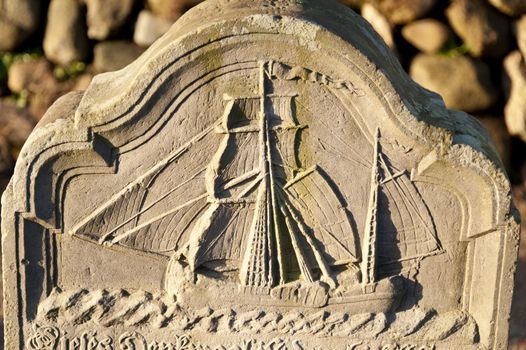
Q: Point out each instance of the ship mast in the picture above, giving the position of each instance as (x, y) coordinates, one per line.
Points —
(368, 264)
(269, 179)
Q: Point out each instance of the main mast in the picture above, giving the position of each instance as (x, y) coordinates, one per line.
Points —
(368, 264)
(266, 159)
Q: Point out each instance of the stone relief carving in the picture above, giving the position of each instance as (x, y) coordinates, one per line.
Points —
(258, 190)
(50, 338)
(278, 223)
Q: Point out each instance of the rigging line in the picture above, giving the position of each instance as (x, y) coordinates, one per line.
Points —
(412, 257)
(103, 238)
(120, 237)
(196, 214)
(322, 264)
(232, 164)
(155, 169)
(349, 107)
(300, 255)
(432, 232)
(252, 185)
(215, 240)
(411, 201)
(342, 246)
(336, 136)
(341, 154)
(236, 181)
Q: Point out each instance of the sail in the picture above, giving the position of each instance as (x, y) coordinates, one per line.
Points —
(284, 136)
(319, 209)
(405, 228)
(252, 208)
(232, 184)
(405, 225)
(156, 212)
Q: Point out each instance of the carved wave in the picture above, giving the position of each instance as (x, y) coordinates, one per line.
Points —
(104, 308)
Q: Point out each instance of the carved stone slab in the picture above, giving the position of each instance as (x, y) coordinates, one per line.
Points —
(265, 176)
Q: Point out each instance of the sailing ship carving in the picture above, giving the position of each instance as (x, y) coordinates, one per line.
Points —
(278, 223)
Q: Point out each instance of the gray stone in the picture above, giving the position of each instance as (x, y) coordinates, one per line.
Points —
(380, 24)
(18, 20)
(149, 28)
(520, 33)
(171, 9)
(65, 39)
(15, 126)
(36, 82)
(24, 75)
(83, 81)
(496, 126)
(114, 55)
(106, 17)
(464, 83)
(403, 11)
(515, 110)
(265, 176)
(354, 4)
(513, 8)
(485, 31)
(427, 35)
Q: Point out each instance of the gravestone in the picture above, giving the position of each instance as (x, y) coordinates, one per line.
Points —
(264, 177)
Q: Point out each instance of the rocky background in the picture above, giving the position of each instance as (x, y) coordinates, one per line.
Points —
(472, 52)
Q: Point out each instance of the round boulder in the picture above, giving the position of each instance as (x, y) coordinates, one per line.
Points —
(512, 8)
(463, 83)
(403, 11)
(485, 31)
(65, 39)
(18, 19)
(427, 35)
(515, 110)
(106, 17)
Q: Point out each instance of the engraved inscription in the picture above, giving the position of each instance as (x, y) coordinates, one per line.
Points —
(51, 338)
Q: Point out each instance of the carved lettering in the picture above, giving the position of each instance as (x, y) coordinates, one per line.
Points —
(132, 341)
(51, 338)
(45, 338)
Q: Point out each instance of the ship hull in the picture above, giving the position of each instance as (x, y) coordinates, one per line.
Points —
(385, 297)
(381, 297)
